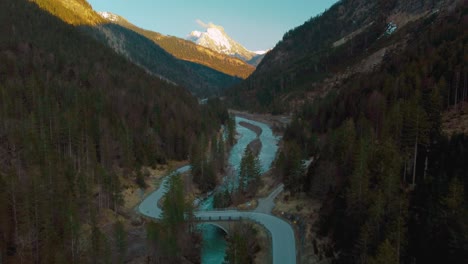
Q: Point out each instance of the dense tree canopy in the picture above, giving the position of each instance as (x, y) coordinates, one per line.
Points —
(74, 118)
(381, 159)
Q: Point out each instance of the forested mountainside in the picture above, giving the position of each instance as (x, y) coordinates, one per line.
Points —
(189, 51)
(196, 77)
(351, 37)
(393, 185)
(75, 118)
(255, 61)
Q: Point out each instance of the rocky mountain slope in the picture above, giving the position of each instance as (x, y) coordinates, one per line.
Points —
(352, 36)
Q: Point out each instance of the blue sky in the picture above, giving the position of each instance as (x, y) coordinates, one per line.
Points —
(257, 24)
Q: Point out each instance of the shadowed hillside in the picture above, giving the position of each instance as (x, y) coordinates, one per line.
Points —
(391, 183)
(350, 38)
(76, 119)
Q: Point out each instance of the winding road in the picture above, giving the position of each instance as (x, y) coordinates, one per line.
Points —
(149, 206)
(266, 205)
(282, 234)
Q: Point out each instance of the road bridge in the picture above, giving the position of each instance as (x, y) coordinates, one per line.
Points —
(282, 234)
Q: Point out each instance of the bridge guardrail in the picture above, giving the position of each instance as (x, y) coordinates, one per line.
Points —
(219, 218)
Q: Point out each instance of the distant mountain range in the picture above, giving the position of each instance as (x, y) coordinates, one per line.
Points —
(188, 51)
(215, 38)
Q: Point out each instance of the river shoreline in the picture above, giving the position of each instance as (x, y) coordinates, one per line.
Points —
(252, 127)
(282, 233)
(256, 145)
(278, 123)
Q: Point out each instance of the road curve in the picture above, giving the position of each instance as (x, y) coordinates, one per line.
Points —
(266, 205)
(282, 234)
(149, 206)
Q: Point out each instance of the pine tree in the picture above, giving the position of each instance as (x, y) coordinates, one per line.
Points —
(120, 241)
(415, 131)
(231, 130)
(242, 244)
(220, 155)
(455, 215)
(175, 212)
(345, 143)
(249, 174)
(357, 194)
(293, 174)
(386, 254)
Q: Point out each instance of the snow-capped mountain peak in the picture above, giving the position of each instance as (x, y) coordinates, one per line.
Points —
(109, 16)
(219, 37)
(215, 38)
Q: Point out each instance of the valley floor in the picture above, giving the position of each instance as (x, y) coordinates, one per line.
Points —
(301, 211)
(277, 122)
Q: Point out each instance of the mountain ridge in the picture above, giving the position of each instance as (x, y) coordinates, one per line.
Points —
(197, 78)
(187, 50)
(350, 37)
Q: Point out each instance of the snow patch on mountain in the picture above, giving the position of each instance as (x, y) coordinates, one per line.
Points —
(109, 16)
(261, 52)
(391, 28)
(195, 34)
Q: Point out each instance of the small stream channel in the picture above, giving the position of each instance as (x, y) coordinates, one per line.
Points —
(214, 242)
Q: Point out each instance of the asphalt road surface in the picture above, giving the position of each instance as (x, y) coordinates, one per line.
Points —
(282, 234)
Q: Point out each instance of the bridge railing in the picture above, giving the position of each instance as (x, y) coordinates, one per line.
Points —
(220, 209)
(218, 218)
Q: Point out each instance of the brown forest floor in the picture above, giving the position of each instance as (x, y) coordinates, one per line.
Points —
(455, 120)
